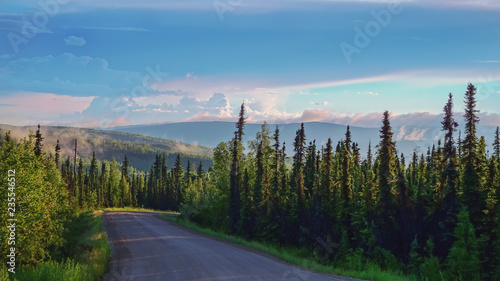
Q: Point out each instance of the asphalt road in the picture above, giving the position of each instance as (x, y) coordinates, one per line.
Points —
(146, 247)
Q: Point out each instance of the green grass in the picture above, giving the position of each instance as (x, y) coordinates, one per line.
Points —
(298, 256)
(137, 209)
(87, 248)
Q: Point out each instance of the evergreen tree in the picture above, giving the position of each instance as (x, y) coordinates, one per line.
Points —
(200, 171)
(234, 191)
(463, 260)
(386, 230)
(80, 184)
(386, 167)
(241, 123)
(348, 140)
(257, 214)
(57, 156)
(445, 217)
(92, 184)
(177, 180)
(496, 145)
(103, 184)
(471, 196)
(124, 187)
(125, 166)
(38, 142)
(346, 188)
(247, 217)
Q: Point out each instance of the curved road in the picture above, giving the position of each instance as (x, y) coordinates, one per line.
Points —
(148, 248)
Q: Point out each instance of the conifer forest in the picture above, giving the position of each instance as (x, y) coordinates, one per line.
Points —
(433, 215)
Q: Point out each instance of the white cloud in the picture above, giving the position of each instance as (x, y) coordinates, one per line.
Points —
(107, 112)
(23, 108)
(75, 41)
(487, 61)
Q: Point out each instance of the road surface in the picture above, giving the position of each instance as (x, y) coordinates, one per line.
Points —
(148, 248)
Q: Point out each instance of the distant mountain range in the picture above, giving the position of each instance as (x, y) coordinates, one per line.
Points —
(408, 138)
(195, 140)
(140, 149)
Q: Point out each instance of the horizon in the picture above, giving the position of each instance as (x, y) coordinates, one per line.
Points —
(333, 61)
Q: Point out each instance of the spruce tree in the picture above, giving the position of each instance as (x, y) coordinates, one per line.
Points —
(386, 229)
(246, 223)
(38, 142)
(125, 166)
(80, 184)
(276, 162)
(446, 216)
(299, 149)
(463, 260)
(386, 167)
(348, 140)
(58, 151)
(471, 195)
(234, 183)
(177, 181)
(496, 145)
(92, 185)
(241, 123)
(200, 171)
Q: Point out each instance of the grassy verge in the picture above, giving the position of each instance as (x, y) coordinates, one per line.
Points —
(137, 209)
(297, 256)
(87, 248)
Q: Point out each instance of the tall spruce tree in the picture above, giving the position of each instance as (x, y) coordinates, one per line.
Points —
(496, 145)
(58, 152)
(234, 183)
(445, 217)
(177, 181)
(471, 195)
(386, 166)
(38, 142)
(386, 229)
(125, 166)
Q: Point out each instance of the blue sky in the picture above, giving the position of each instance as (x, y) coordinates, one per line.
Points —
(107, 63)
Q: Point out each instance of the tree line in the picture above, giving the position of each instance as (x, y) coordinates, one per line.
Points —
(435, 217)
(50, 190)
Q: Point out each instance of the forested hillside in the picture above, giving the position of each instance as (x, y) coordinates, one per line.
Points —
(44, 196)
(434, 217)
(109, 145)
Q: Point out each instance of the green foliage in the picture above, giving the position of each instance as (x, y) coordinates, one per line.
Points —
(86, 248)
(463, 261)
(430, 269)
(40, 202)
